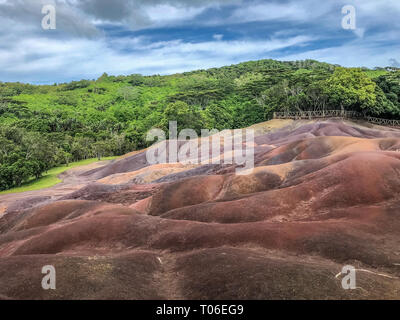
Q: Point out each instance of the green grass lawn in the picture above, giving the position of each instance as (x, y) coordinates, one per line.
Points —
(50, 178)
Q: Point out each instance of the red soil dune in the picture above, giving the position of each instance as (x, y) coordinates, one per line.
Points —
(323, 195)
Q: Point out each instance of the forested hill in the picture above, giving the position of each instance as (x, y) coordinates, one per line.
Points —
(45, 126)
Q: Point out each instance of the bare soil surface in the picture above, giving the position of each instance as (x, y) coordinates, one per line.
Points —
(323, 194)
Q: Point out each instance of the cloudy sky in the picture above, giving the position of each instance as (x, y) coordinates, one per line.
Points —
(170, 36)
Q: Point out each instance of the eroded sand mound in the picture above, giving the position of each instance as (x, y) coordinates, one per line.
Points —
(323, 195)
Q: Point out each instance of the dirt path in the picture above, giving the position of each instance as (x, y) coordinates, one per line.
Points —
(168, 278)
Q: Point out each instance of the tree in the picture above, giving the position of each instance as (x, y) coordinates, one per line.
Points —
(100, 148)
(135, 79)
(21, 171)
(6, 177)
(247, 113)
(218, 116)
(129, 93)
(187, 117)
(39, 151)
(81, 148)
(351, 89)
(62, 157)
(44, 126)
(275, 98)
(389, 85)
(252, 84)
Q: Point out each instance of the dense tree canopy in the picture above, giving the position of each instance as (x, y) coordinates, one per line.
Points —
(45, 126)
(352, 89)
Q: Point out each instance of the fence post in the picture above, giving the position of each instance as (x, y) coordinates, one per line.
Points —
(335, 113)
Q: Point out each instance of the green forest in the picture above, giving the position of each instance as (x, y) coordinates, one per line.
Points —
(44, 126)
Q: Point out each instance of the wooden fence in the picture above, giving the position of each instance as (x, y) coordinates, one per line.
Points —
(335, 114)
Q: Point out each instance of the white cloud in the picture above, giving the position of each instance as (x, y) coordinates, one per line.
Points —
(164, 13)
(293, 10)
(269, 11)
(359, 32)
(356, 54)
(90, 58)
(218, 37)
(79, 48)
(394, 63)
(138, 14)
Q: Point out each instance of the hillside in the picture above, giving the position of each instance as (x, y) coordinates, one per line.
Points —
(42, 127)
(323, 194)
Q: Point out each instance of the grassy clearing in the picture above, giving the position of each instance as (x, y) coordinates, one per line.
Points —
(51, 177)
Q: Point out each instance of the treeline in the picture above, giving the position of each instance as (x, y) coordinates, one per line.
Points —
(45, 126)
(25, 155)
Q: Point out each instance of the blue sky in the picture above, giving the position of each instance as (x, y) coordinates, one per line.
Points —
(165, 37)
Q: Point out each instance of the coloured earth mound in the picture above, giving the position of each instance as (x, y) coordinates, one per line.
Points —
(322, 195)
